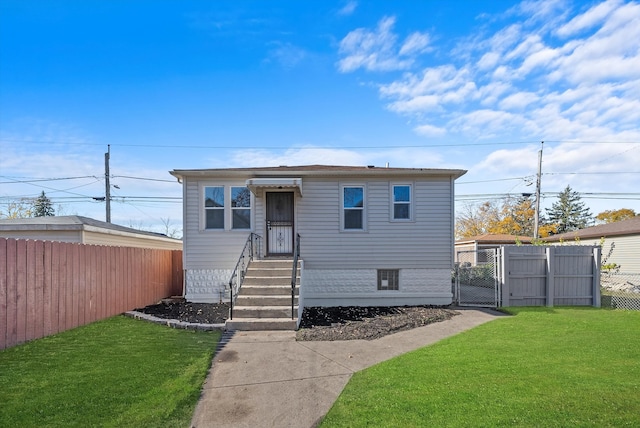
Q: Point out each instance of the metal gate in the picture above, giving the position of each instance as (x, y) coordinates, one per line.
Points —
(477, 278)
(280, 223)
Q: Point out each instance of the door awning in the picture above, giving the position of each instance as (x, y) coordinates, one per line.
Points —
(259, 185)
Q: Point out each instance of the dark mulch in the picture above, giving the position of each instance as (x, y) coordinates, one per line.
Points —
(352, 322)
(335, 323)
(204, 313)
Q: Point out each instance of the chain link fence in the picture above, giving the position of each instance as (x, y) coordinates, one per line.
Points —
(476, 278)
(620, 290)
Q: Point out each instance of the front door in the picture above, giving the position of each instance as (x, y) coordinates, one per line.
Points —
(279, 223)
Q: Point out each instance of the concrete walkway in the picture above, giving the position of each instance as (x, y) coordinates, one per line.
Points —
(267, 379)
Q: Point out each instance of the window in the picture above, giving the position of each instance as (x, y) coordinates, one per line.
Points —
(240, 208)
(388, 279)
(402, 202)
(214, 207)
(353, 208)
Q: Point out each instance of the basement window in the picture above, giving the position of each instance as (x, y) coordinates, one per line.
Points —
(388, 279)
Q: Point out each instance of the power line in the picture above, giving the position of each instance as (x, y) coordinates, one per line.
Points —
(26, 180)
(146, 179)
(591, 173)
(315, 148)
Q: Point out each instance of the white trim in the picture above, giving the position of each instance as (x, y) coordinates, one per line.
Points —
(364, 210)
(232, 208)
(411, 204)
(228, 210)
(258, 186)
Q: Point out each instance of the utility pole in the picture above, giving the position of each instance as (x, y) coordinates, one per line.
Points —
(107, 189)
(536, 220)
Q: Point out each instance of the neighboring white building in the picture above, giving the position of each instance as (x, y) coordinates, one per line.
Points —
(84, 230)
(624, 234)
(369, 236)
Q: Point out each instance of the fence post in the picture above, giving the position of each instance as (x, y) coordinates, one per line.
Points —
(551, 289)
(505, 276)
(596, 276)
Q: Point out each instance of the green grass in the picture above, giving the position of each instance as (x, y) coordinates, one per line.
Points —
(541, 367)
(114, 373)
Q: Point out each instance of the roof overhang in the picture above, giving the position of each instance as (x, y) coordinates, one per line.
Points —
(259, 185)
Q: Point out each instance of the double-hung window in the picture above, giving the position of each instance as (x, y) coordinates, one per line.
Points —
(240, 208)
(214, 207)
(401, 202)
(353, 208)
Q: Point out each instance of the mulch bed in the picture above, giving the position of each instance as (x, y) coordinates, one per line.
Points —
(332, 323)
(204, 313)
(353, 322)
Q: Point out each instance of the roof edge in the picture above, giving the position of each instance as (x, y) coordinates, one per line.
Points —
(315, 170)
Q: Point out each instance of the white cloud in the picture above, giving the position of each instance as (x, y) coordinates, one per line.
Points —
(488, 60)
(521, 82)
(348, 8)
(378, 50)
(430, 131)
(407, 157)
(592, 17)
(307, 155)
(415, 43)
(518, 101)
(286, 54)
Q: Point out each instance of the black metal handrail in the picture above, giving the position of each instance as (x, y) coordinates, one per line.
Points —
(294, 273)
(251, 249)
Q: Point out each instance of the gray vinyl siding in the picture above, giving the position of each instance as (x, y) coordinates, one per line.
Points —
(425, 242)
(208, 249)
(626, 253)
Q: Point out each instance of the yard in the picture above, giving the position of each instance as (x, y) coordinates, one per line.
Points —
(116, 372)
(541, 367)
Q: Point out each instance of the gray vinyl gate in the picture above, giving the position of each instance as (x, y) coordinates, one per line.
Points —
(529, 276)
(551, 275)
(477, 278)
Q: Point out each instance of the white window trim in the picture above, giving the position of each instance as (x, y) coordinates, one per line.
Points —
(228, 215)
(203, 209)
(364, 208)
(392, 203)
(232, 208)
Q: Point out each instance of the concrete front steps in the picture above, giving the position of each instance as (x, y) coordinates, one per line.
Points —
(264, 302)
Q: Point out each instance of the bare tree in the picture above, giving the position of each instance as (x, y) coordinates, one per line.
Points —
(169, 229)
(21, 208)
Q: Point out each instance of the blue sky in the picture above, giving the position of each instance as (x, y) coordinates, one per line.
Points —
(209, 84)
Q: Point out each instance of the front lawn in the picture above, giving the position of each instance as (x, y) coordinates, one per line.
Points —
(541, 367)
(116, 372)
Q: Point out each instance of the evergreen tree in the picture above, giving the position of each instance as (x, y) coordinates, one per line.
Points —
(569, 213)
(42, 206)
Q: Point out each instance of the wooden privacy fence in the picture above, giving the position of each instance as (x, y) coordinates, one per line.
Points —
(47, 287)
(550, 275)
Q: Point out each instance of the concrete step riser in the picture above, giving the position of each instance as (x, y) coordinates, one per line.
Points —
(255, 280)
(282, 273)
(260, 325)
(273, 264)
(265, 301)
(263, 312)
(266, 290)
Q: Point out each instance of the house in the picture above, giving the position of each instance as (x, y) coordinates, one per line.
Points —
(470, 249)
(84, 230)
(368, 236)
(624, 234)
